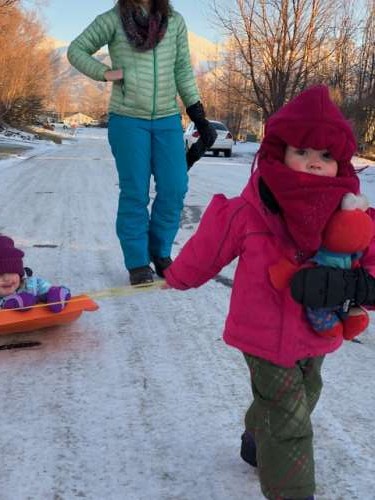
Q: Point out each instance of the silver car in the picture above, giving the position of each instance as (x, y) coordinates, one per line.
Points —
(224, 141)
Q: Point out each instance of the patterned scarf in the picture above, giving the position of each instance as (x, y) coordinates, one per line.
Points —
(307, 201)
(144, 32)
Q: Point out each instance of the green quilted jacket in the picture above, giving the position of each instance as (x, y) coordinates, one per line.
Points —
(152, 79)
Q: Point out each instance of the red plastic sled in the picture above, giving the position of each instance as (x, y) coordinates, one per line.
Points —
(13, 321)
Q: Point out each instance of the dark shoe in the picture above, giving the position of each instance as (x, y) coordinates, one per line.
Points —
(306, 498)
(141, 276)
(161, 264)
(248, 449)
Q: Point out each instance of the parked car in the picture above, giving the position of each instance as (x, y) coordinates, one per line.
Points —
(48, 126)
(224, 141)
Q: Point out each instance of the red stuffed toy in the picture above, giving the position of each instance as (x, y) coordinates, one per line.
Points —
(345, 238)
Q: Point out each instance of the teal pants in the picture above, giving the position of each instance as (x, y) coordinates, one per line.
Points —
(279, 420)
(145, 148)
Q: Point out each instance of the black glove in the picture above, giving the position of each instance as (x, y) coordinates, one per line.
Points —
(195, 152)
(329, 287)
(205, 128)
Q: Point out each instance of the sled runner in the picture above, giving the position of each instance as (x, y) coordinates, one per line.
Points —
(15, 321)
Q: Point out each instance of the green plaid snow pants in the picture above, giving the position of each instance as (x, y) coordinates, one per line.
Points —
(279, 420)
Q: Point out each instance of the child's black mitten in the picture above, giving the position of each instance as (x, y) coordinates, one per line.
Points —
(329, 287)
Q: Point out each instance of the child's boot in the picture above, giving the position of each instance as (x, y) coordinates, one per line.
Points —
(161, 264)
(305, 498)
(57, 296)
(141, 276)
(22, 300)
(248, 449)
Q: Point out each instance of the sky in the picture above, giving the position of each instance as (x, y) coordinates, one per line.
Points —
(65, 19)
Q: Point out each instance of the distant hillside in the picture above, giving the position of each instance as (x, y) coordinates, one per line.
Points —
(202, 52)
(201, 49)
(54, 43)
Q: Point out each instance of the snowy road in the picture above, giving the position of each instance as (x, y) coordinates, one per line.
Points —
(142, 399)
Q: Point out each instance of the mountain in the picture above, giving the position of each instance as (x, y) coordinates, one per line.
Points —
(201, 49)
(53, 43)
(82, 89)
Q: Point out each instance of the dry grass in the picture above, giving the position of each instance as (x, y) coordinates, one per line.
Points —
(44, 134)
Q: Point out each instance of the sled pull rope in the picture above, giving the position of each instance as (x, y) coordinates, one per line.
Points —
(128, 290)
(123, 291)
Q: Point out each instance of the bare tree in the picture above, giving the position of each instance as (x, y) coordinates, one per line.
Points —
(362, 106)
(62, 101)
(25, 66)
(339, 71)
(232, 89)
(282, 43)
(7, 3)
(94, 99)
(366, 80)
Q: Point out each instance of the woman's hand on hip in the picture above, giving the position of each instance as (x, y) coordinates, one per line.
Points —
(113, 75)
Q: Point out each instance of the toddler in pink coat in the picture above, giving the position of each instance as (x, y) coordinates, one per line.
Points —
(301, 173)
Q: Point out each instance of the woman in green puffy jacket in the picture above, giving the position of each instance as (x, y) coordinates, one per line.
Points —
(150, 65)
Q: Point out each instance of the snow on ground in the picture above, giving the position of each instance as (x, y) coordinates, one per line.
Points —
(142, 399)
(16, 145)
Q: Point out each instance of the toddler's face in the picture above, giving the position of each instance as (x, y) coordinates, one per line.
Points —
(311, 161)
(9, 283)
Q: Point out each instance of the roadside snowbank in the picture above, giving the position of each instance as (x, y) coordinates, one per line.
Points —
(18, 145)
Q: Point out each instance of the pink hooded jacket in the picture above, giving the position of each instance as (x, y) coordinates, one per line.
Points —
(262, 321)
